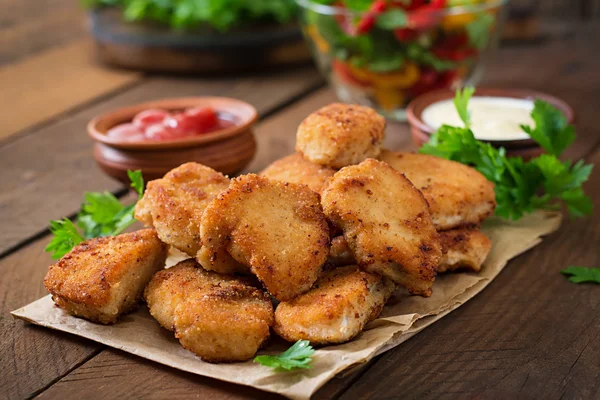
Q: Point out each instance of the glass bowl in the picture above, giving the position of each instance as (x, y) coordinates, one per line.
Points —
(383, 59)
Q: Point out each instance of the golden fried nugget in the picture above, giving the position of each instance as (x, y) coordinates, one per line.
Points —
(102, 278)
(336, 309)
(277, 229)
(386, 223)
(174, 204)
(466, 249)
(295, 169)
(339, 134)
(457, 194)
(219, 318)
(463, 249)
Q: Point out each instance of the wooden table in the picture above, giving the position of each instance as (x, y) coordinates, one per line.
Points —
(530, 334)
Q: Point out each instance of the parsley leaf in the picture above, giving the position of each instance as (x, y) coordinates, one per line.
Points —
(551, 130)
(520, 186)
(479, 30)
(101, 214)
(582, 274)
(65, 237)
(392, 19)
(461, 100)
(299, 355)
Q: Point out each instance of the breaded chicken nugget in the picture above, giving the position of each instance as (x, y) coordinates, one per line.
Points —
(295, 169)
(102, 278)
(174, 204)
(386, 223)
(277, 229)
(336, 309)
(457, 194)
(338, 135)
(466, 249)
(217, 317)
(463, 249)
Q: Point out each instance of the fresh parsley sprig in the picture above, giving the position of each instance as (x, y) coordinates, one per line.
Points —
(299, 355)
(582, 274)
(521, 186)
(101, 214)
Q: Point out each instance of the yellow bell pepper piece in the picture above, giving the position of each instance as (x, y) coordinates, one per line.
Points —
(389, 98)
(402, 79)
(456, 22)
(318, 40)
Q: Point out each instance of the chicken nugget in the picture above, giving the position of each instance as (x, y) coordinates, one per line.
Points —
(217, 317)
(277, 229)
(102, 278)
(386, 223)
(458, 195)
(339, 134)
(295, 169)
(466, 249)
(463, 249)
(336, 309)
(174, 204)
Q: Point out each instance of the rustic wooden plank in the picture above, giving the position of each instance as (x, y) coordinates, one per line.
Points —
(117, 370)
(50, 83)
(30, 26)
(55, 163)
(529, 334)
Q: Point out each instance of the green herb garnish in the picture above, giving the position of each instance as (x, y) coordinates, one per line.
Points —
(220, 14)
(521, 186)
(582, 274)
(101, 214)
(299, 355)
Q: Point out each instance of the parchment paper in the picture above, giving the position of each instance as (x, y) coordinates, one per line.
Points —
(404, 316)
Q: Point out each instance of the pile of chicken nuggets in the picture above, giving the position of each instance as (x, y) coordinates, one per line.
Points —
(311, 248)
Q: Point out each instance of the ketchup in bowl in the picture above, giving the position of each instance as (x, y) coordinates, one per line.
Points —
(157, 124)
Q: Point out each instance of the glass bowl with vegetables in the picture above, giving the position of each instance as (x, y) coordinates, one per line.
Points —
(384, 53)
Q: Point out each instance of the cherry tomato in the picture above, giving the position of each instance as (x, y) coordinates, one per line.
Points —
(454, 54)
(149, 117)
(162, 132)
(405, 34)
(365, 24)
(203, 118)
(128, 132)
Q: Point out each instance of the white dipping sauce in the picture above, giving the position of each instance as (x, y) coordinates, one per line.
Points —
(492, 118)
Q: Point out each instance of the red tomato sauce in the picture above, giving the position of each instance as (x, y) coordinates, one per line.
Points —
(157, 124)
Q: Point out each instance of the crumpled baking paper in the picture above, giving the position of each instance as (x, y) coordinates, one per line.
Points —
(138, 333)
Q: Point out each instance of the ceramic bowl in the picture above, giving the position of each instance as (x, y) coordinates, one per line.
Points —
(227, 150)
(527, 148)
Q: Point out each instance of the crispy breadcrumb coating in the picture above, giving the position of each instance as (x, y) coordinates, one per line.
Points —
(386, 223)
(295, 169)
(103, 278)
(174, 204)
(336, 309)
(217, 317)
(339, 134)
(457, 194)
(277, 229)
(466, 249)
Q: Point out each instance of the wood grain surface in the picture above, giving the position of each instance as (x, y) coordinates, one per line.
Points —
(530, 334)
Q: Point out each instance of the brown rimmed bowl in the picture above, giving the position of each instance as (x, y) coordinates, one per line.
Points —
(226, 150)
(526, 148)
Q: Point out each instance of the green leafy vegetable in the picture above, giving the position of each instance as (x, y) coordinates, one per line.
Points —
(65, 237)
(101, 214)
(220, 14)
(582, 274)
(461, 101)
(392, 19)
(299, 355)
(420, 55)
(521, 186)
(479, 30)
(551, 130)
